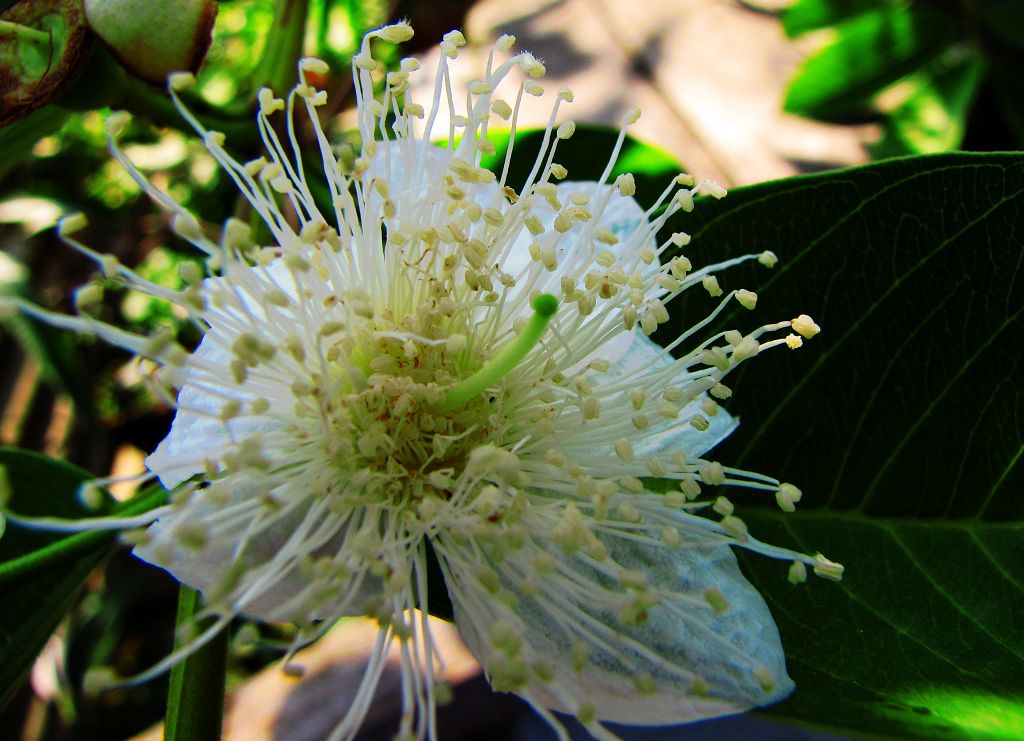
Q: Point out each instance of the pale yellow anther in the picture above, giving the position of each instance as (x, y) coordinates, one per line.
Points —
(89, 297)
(631, 117)
(72, 223)
(747, 348)
(531, 66)
(656, 467)
(685, 179)
(670, 536)
(713, 189)
(400, 32)
(768, 259)
(712, 473)
(604, 235)
(505, 42)
(715, 356)
(364, 62)
(493, 217)
(794, 342)
(735, 527)
(178, 81)
(501, 109)
(690, 488)
(586, 713)
(275, 297)
(627, 512)
(723, 507)
(685, 200)
(765, 678)
(591, 408)
(566, 130)
(787, 496)
(680, 239)
(626, 184)
(797, 573)
(747, 299)
(455, 38)
(716, 600)
(720, 391)
(314, 65)
(633, 579)
(580, 654)
(566, 95)
(667, 409)
(734, 337)
(268, 103)
(805, 326)
(533, 88)
(710, 284)
(640, 421)
(667, 282)
(644, 683)
(827, 569)
(631, 483)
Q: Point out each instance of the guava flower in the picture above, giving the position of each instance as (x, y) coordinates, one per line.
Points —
(412, 358)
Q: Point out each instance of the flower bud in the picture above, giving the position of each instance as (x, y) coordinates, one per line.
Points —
(152, 39)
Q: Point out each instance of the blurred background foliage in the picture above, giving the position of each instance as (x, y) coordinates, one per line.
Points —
(938, 74)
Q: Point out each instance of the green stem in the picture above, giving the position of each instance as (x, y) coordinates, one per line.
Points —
(544, 307)
(284, 46)
(195, 698)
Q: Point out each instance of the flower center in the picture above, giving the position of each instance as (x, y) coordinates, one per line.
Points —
(407, 418)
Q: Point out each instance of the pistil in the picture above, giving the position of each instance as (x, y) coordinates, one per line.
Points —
(544, 307)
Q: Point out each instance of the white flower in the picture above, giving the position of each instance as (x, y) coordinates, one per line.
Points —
(417, 356)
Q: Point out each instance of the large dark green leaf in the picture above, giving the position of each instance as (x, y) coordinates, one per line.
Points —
(869, 52)
(41, 572)
(903, 423)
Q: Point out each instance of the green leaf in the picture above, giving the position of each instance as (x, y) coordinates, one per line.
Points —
(195, 698)
(932, 117)
(903, 424)
(41, 572)
(810, 15)
(870, 52)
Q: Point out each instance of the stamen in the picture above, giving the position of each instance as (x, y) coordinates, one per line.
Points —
(544, 307)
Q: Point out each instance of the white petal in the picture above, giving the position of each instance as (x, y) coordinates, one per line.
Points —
(684, 638)
(196, 432)
(666, 435)
(207, 569)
